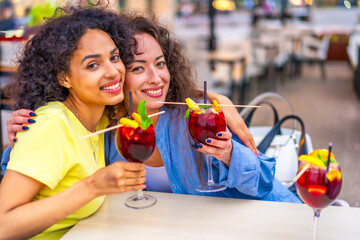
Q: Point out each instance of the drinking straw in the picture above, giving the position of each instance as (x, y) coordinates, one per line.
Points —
(205, 93)
(131, 103)
(328, 161)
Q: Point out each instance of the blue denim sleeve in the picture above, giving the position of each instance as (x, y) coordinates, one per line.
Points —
(111, 153)
(248, 173)
(5, 158)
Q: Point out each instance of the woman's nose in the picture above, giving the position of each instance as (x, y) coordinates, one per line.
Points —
(154, 76)
(114, 69)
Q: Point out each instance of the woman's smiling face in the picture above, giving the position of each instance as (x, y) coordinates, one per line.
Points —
(97, 73)
(147, 76)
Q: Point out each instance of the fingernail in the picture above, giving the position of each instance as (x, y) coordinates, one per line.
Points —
(32, 114)
(219, 134)
(143, 186)
(198, 145)
(31, 121)
(194, 146)
(15, 139)
(208, 140)
(25, 127)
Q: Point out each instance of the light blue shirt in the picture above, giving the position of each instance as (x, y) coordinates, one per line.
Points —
(247, 177)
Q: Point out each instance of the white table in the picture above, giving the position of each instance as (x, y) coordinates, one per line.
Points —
(178, 216)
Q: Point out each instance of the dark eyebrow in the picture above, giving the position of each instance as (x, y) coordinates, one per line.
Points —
(114, 50)
(90, 56)
(143, 61)
(98, 55)
(161, 56)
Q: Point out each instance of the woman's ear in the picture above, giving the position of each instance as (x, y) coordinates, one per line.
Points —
(64, 81)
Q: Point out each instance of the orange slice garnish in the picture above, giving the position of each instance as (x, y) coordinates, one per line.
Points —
(216, 106)
(129, 122)
(333, 174)
(316, 189)
(136, 117)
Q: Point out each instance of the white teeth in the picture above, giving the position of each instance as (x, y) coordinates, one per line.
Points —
(154, 92)
(112, 87)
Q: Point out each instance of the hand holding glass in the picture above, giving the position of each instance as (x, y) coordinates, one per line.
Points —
(202, 125)
(136, 145)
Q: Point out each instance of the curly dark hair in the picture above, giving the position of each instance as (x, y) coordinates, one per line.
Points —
(50, 51)
(182, 80)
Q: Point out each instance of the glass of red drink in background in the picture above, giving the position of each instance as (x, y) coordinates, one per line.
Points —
(202, 126)
(319, 188)
(136, 145)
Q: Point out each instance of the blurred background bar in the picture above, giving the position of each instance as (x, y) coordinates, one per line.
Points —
(305, 50)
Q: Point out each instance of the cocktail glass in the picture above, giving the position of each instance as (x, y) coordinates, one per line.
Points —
(136, 145)
(318, 187)
(203, 125)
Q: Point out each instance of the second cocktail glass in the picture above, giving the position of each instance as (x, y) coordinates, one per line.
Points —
(203, 124)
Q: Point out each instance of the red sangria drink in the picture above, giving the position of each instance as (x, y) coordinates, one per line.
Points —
(135, 144)
(319, 189)
(135, 141)
(320, 181)
(203, 125)
(205, 122)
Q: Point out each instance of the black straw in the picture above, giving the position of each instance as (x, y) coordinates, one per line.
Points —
(205, 92)
(328, 161)
(131, 104)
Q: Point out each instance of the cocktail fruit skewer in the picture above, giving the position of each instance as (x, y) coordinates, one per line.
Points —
(209, 104)
(113, 127)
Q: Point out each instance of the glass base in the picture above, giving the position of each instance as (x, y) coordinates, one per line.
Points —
(210, 187)
(140, 202)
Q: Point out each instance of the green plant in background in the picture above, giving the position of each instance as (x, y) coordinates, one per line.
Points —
(38, 12)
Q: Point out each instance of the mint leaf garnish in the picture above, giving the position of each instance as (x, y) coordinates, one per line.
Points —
(187, 114)
(205, 106)
(333, 160)
(145, 120)
(323, 160)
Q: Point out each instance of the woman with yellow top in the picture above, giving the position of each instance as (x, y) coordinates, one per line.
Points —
(72, 83)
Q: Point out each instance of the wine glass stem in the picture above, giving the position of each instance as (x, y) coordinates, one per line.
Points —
(140, 193)
(316, 220)
(209, 168)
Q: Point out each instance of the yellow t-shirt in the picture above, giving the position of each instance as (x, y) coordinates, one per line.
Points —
(51, 152)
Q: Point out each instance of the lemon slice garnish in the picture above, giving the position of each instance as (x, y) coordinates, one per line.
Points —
(312, 160)
(129, 122)
(192, 105)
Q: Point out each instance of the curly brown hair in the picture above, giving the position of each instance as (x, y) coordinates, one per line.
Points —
(50, 51)
(182, 80)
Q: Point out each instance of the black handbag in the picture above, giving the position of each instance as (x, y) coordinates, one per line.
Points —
(284, 146)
